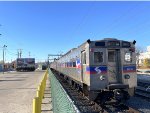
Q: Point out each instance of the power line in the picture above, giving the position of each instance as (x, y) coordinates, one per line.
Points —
(11, 53)
(84, 18)
(134, 28)
(125, 17)
(115, 23)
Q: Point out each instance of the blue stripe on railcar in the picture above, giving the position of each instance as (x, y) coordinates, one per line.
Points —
(127, 69)
(96, 70)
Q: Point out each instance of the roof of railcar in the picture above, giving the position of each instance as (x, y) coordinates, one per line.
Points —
(89, 41)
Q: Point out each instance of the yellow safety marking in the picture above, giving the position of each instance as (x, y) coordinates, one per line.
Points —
(37, 101)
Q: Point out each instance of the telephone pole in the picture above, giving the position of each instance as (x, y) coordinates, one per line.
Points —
(20, 53)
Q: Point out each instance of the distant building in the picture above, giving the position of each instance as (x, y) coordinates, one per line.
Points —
(144, 55)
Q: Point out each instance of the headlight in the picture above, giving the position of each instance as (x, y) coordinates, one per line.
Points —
(127, 76)
(102, 77)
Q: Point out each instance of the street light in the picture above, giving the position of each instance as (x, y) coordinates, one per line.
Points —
(3, 56)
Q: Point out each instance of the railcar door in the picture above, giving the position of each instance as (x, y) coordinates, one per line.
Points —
(114, 66)
(83, 64)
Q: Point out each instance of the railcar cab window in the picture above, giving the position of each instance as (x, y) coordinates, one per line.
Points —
(98, 57)
(128, 56)
(113, 44)
(126, 44)
(99, 43)
(111, 56)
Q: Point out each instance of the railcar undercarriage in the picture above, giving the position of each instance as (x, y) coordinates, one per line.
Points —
(108, 96)
(26, 69)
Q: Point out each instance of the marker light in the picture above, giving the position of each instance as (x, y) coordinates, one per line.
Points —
(127, 76)
(102, 77)
(91, 49)
(132, 49)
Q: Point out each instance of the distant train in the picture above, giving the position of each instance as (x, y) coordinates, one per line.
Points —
(44, 67)
(25, 64)
(105, 67)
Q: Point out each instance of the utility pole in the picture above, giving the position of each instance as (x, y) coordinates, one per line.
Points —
(48, 62)
(19, 53)
(3, 56)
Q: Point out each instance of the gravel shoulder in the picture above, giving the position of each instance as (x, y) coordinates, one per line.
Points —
(138, 103)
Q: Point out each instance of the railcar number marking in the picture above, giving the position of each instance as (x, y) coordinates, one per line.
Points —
(128, 69)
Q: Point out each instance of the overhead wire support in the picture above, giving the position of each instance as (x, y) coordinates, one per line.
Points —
(54, 55)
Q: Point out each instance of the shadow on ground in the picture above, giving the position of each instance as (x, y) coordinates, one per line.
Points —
(47, 102)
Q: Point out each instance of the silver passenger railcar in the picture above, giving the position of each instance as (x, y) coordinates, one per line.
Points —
(105, 67)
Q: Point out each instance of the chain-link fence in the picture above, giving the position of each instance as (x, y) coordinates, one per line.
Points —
(61, 102)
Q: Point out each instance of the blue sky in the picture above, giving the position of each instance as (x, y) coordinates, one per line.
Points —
(43, 28)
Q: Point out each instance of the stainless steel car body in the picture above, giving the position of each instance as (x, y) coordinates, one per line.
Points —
(101, 65)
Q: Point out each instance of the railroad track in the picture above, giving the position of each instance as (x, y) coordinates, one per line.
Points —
(80, 101)
(122, 108)
(143, 89)
(86, 106)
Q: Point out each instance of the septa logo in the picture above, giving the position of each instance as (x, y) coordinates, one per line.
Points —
(98, 70)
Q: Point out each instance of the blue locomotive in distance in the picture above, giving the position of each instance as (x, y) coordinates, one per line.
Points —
(25, 64)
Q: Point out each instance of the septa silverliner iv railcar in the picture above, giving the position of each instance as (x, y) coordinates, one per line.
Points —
(105, 67)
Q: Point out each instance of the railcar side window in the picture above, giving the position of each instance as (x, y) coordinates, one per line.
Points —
(74, 64)
(128, 57)
(98, 57)
(111, 56)
(70, 65)
(66, 64)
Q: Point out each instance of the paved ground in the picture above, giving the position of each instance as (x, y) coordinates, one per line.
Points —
(17, 89)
